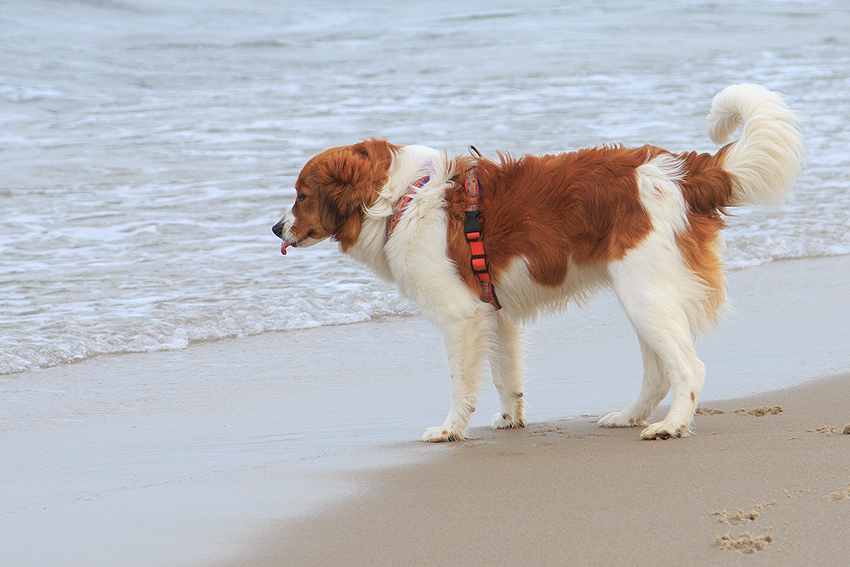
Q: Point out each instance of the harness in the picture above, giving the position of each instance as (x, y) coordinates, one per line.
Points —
(401, 205)
(472, 230)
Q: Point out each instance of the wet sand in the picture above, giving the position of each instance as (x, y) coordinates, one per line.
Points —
(746, 490)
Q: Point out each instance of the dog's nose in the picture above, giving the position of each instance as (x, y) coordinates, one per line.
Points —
(278, 230)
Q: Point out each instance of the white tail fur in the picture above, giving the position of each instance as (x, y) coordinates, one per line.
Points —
(768, 158)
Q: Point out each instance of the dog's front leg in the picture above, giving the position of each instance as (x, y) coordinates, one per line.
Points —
(506, 365)
(467, 342)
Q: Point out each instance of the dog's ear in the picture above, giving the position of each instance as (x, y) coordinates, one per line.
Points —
(350, 178)
(346, 177)
(347, 181)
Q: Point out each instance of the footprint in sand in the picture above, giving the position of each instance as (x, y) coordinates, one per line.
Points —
(737, 519)
(762, 411)
(839, 495)
(825, 430)
(708, 411)
(745, 543)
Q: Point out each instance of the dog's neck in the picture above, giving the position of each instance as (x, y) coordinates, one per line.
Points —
(409, 164)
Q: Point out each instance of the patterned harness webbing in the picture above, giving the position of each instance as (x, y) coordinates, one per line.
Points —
(401, 205)
(472, 229)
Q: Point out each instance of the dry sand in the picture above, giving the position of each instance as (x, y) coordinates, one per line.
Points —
(570, 493)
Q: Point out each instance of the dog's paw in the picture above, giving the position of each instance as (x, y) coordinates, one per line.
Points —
(663, 430)
(507, 421)
(441, 435)
(619, 419)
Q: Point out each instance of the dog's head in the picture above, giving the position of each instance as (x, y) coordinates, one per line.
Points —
(332, 191)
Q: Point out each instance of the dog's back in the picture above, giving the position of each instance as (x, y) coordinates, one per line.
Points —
(572, 211)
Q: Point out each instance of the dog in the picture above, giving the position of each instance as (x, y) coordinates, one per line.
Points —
(483, 247)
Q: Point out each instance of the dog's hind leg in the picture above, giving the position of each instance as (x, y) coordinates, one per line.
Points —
(654, 388)
(467, 343)
(506, 365)
(687, 374)
(664, 298)
(657, 291)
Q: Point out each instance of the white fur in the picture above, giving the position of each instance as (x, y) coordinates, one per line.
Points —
(415, 259)
(767, 160)
(523, 299)
(664, 301)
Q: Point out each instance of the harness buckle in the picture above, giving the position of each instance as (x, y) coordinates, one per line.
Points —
(472, 226)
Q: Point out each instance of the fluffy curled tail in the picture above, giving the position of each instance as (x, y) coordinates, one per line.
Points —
(768, 158)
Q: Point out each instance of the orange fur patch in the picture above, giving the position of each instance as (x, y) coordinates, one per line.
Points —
(581, 206)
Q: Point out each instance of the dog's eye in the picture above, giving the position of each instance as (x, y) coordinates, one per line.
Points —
(301, 197)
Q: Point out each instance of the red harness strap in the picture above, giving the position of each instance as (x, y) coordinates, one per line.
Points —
(472, 228)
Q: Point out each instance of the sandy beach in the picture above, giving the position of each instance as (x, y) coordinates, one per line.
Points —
(301, 448)
(776, 486)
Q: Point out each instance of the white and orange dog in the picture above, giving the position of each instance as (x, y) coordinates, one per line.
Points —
(484, 246)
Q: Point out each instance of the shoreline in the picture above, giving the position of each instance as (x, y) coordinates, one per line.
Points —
(189, 457)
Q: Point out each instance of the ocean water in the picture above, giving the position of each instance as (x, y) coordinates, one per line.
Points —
(146, 147)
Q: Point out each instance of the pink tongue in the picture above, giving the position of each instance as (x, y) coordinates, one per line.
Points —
(284, 245)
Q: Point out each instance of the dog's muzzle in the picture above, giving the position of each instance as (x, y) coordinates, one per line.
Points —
(278, 231)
